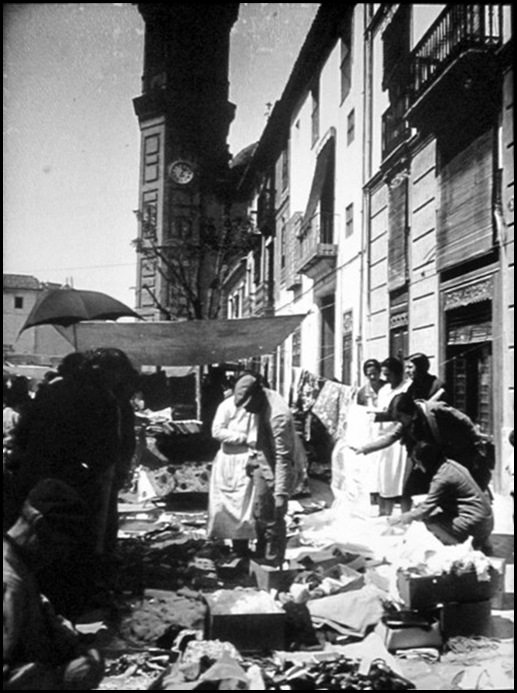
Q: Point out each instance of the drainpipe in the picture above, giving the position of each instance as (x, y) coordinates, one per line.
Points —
(364, 284)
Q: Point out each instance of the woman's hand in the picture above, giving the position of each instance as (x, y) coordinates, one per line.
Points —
(402, 519)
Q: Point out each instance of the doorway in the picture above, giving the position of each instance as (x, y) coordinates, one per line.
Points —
(469, 361)
(327, 336)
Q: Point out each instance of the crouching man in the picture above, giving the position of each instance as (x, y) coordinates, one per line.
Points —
(455, 508)
(41, 650)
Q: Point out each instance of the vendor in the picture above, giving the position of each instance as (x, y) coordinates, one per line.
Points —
(41, 650)
(455, 508)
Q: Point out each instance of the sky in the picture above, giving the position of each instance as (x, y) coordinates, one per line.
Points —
(71, 138)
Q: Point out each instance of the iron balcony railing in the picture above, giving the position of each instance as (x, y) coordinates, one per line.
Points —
(316, 241)
(247, 307)
(263, 303)
(458, 29)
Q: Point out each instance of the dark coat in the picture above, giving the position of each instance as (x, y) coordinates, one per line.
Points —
(448, 428)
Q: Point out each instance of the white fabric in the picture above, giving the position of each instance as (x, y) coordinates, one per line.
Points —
(393, 463)
(231, 495)
(354, 476)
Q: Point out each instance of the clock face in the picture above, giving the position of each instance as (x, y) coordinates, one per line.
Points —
(181, 172)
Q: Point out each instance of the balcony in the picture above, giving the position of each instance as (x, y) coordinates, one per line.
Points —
(247, 307)
(317, 252)
(453, 68)
(264, 300)
(395, 128)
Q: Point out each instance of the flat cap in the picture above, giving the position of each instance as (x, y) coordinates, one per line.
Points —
(245, 387)
(60, 505)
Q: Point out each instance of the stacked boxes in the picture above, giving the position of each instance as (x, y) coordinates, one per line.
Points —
(465, 602)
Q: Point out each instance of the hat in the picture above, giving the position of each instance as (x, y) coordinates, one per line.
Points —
(60, 505)
(245, 388)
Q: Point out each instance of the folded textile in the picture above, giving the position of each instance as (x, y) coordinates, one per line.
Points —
(351, 612)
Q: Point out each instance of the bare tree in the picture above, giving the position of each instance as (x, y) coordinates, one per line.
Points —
(196, 259)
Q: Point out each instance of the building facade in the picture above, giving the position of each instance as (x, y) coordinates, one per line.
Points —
(439, 199)
(383, 189)
(41, 345)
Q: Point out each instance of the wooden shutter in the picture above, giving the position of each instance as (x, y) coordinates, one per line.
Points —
(397, 233)
(324, 168)
(465, 214)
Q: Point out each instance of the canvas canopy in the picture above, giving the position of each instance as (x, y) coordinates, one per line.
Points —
(186, 343)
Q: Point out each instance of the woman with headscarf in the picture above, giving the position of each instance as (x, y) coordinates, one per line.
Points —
(423, 384)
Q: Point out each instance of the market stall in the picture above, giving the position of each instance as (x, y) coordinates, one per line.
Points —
(175, 446)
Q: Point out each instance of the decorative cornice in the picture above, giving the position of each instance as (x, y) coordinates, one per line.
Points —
(399, 320)
(482, 290)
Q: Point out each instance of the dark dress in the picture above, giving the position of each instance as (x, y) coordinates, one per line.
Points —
(427, 388)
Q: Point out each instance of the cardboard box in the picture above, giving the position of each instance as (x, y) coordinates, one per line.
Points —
(273, 578)
(247, 632)
(466, 619)
(324, 559)
(423, 592)
(405, 638)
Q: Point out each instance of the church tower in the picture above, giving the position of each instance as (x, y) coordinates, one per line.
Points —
(184, 116)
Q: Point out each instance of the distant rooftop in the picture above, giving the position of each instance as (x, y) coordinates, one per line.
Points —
(21, 281)
(27, 281)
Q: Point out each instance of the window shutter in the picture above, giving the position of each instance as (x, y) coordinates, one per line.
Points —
(465, 216)
(397, 233)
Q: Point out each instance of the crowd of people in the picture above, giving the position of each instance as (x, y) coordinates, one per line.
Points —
(426, 446)
(68, 451)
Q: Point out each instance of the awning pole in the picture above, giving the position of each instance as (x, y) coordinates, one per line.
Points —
(198, 392)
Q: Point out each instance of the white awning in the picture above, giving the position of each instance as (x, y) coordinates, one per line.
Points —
(186, 343)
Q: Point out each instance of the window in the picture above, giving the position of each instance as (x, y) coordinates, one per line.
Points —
(349, 221)
(283, 241)
(285, 168)
(350, 127)
(151, 158)
(297, 347)
(315, 117)
(396, 43)
(18, 302)
(346, 70)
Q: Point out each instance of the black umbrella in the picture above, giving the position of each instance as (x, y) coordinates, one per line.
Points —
(66, 307)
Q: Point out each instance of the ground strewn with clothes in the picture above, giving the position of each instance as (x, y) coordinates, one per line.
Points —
(188, 614)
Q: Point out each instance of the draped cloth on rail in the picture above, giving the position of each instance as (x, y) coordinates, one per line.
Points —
(186, 343)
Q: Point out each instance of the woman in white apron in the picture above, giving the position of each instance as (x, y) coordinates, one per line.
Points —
(368, 396)
(393, 463)
(231, 495)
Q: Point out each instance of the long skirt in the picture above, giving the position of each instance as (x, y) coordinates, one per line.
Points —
(393, 470)
(231, 499)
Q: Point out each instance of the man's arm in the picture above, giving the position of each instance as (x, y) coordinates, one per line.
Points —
(429, 505)
(281, 427)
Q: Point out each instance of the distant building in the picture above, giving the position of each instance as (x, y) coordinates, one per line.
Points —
(41, 345)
